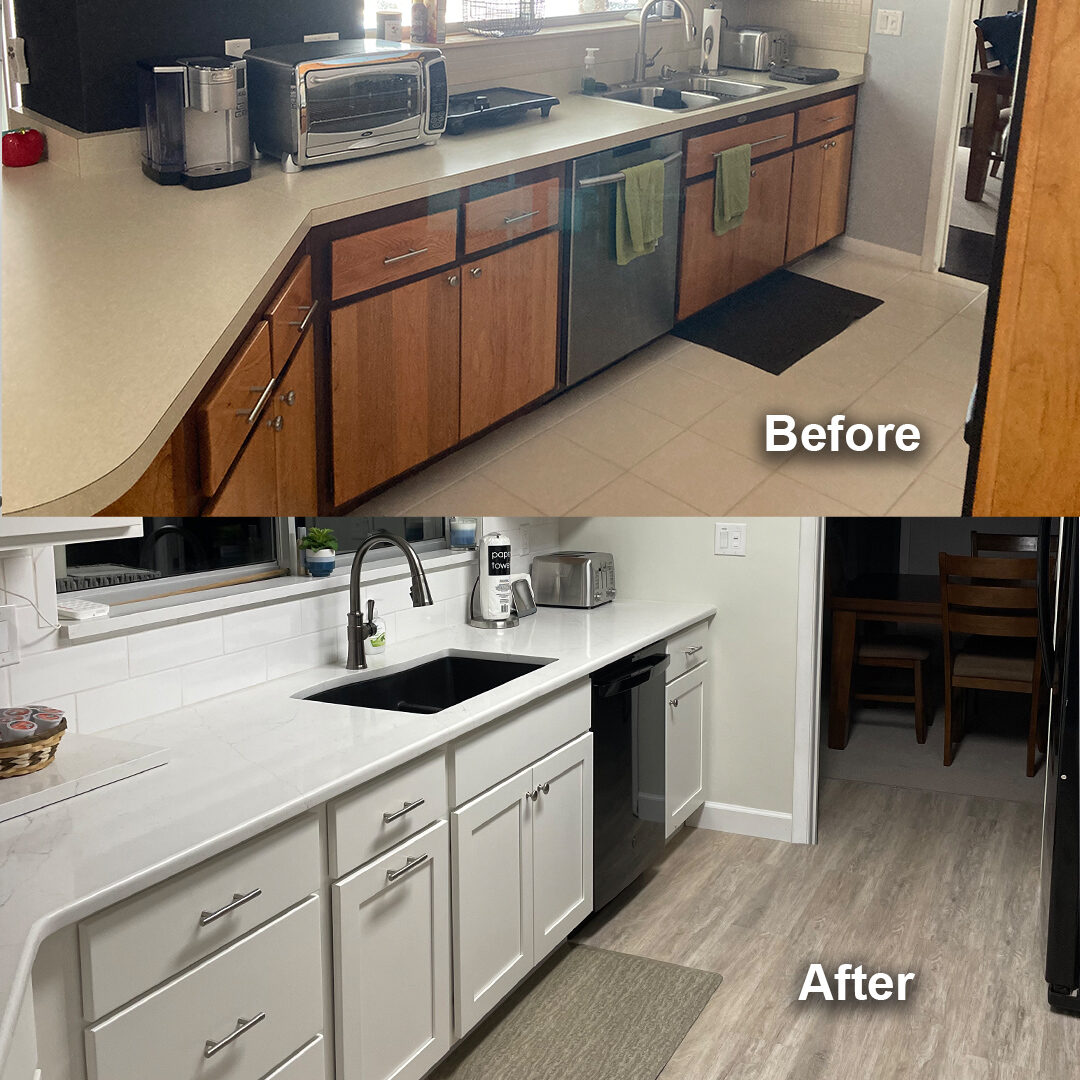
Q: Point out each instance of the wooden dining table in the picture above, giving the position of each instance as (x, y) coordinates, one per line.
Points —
(891, 598)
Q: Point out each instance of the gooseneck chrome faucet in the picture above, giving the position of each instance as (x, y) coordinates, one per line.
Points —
(360, 629)
(642, 61)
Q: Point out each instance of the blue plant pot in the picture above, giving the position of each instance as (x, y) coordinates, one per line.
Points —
(320, 563)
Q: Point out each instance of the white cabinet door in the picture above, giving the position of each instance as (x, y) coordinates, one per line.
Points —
(392, 962)
(562, 843)
(685, 732)
(492, 897)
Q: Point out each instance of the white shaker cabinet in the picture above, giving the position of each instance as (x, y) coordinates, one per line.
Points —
(684, 742)
(522, 875)
(392, 968)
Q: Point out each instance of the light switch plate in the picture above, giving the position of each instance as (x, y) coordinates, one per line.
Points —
(9, 635)
(237, 46)
(729, 538)
(889, 22)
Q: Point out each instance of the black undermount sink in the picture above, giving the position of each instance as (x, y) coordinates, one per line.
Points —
(427, 687)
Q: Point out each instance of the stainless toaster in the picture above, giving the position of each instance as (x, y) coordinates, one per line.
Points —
(580, 579)
(754, 48)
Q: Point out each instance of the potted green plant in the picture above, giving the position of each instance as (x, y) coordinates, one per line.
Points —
(320, 551)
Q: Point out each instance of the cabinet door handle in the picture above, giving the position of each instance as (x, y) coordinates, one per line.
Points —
(411, 253)
(545, 788)
(452, 279)
(533, 795)
(277, 423)
(242, 1027)
(238, 900)
(289, 398)
(411, 863)
(305, 322)
(520, 217)
(692, 650)
(395, 814)
(673, 702)
(476, 271)
(753, 172)
(264, 393)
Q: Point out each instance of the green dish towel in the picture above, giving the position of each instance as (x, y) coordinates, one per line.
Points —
(731, 197)
(639, 211)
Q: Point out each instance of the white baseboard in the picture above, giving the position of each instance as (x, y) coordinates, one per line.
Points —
(745, 820)
(878, 251)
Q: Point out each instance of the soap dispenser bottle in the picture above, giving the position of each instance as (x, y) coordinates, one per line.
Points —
(588, 80)
(377, 642)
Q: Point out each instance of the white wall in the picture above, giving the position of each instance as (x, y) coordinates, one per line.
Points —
(752, 642)
(824, 33)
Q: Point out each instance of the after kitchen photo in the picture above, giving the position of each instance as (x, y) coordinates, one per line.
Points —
(554, 257)
(603, 798)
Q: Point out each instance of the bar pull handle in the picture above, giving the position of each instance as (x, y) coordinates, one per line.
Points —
(238, 900)
(305, 322)
(411, 863)
(520, 217)
(411, 253)
(395, 814)
(691, 650)
(264, 393)
(614, 178)
(242, 1027)
(760, 142)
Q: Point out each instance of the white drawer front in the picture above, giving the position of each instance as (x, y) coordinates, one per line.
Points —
(275, 972)
(143, 941)
(308, 1063)
(482, 760)
(412, 797)
(687, 649)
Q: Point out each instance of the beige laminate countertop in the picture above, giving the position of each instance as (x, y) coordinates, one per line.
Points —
(120, 297)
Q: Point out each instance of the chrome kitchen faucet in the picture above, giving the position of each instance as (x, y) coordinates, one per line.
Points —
(642, 60)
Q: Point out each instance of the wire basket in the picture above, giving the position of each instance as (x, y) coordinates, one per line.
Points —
(503, 18)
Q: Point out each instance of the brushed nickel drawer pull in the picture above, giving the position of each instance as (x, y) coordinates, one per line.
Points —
(830, 119)
(520, 217)
(760, 142)
(238, 900)
(264, 393)
(394, 815)
(305, 322)
(411, 863)
(408, 255)
(690, 650)
(242, 1027)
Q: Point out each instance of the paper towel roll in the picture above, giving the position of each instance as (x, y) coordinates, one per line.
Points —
(712, 19)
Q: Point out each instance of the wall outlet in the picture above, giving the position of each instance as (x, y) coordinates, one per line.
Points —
(9, 635)
(322, 37)
(889, 22)
(237, 46)
(730, 538)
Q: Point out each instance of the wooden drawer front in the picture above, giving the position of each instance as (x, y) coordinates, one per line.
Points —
(820, 120)
(275, 972)
(480, 761)
(503, 217)
(308, 1063)
(223, 419)
(358, 827)
(145, 940)
(764, 137)
(375, 258)
(687, 649)
(287, 313)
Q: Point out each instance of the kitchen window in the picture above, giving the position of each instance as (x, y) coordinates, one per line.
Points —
(555, 11)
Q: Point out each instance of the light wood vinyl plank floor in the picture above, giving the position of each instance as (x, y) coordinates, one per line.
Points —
(902, 880)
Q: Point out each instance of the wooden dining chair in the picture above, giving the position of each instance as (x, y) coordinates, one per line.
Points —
(992, 602)
(901, 655)
(1003, 543)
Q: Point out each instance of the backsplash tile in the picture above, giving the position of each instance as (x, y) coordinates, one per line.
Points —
(223, 675)
(174, 646)
(38, 679)
(260, 625)
(305, 651)
(125, 701)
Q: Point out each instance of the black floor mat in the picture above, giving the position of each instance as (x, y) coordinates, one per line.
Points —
(777, 320)
(969, 254)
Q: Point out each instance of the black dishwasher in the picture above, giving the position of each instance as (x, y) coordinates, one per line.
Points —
(628, 716)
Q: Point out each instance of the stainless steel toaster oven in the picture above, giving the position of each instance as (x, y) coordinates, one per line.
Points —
(579, 579)
(331, 100)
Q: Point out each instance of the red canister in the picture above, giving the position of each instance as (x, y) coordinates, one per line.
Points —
(23, 146)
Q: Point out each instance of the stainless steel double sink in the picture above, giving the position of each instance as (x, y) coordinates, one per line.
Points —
(688, 92)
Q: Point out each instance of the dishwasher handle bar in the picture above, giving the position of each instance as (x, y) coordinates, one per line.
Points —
(627, 680)
(614, 178)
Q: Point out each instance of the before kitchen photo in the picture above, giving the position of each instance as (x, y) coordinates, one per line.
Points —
(534, 257)
(481, 797)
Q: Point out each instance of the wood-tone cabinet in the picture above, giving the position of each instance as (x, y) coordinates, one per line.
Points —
(684, 782)
(819, 193)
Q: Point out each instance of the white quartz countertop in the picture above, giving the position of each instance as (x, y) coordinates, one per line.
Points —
(245, 762)
(120, 297)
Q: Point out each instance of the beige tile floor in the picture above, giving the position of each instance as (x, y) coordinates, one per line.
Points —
(675, 428)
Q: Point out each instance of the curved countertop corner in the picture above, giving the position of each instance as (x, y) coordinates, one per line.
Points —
(62, 863)
(121, 298)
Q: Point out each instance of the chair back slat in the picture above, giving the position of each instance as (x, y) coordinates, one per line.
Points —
(964, 566)
(1011, 543)
(986, 596)
(1014, 626)
(1018, 597)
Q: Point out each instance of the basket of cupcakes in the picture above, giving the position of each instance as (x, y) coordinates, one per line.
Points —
(29, 737)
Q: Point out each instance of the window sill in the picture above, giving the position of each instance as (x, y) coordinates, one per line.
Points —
(461, 38)
(169, 610)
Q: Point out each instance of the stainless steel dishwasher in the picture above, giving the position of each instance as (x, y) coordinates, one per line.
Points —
(614, 309)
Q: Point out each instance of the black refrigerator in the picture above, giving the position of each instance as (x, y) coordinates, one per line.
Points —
(1059, 635)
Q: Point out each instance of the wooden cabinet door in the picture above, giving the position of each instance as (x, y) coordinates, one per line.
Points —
(708, 260)
(562, 843)
(685, 732)
(392, 963)
(294, 428)
(835, 179)
(394, 371)
(804, 211)
(492, 897)
(250, 490)
(509, 330)
(762, 236)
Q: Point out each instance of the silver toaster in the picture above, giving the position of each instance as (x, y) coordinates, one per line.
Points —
(754, 48)
(579, 579)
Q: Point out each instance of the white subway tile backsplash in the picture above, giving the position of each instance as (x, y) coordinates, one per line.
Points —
(223, 675)
(260, 626)
(306, 651)
(65, 671)
(413, 622)
(324, 611)
(174, 646)
(123, 702)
